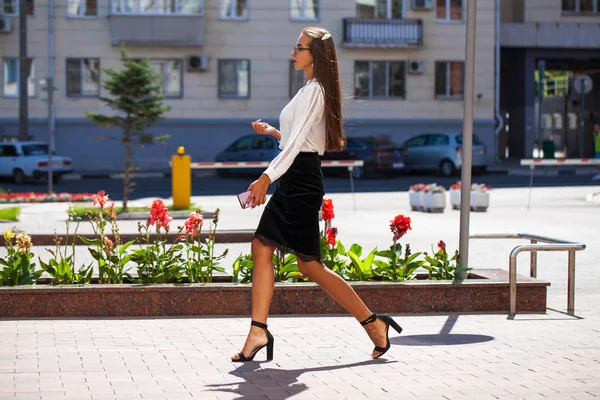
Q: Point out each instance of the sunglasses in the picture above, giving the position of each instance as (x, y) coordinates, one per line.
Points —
(297, 49)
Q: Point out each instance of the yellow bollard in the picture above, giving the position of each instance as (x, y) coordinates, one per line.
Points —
(181, 178)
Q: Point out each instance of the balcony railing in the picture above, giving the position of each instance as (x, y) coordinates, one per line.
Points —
(157, 30)
(360, 32)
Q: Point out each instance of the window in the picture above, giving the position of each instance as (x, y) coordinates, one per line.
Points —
(242, 144)
(449, 10)
(263, 142)
(35, 150)
(438, 140)
(82, 8)
(304, 9)
(449, 79)
(234, 79)
(11, 7)
(581, 6)
(297, 79)
(233, 9)
(380, 79)
(158, 7)
(11, 73)
(476, 140)
(386, 9)
(171, 72)
(8, 151)
(417, 141)
(83, 77)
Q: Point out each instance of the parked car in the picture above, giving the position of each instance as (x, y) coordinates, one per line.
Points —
(442, 152)
(22, 160)
(248, 148)
(379, 154)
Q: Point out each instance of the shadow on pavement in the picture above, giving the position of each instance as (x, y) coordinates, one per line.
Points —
(257, 382)
(440, 339)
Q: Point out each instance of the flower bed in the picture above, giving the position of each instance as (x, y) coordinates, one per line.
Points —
(176, 278)
(149, 258)
(36, 197)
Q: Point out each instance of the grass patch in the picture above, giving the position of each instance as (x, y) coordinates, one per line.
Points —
(10, 214)
(79, 211)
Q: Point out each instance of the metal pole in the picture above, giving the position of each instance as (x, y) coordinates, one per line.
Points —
(350, 169)
(571, 283)
(50, 88)
(467, 150)
(23, 73)
(512, 281)
(533, 261)
(530, 186)
(581, 119)
(541, 88)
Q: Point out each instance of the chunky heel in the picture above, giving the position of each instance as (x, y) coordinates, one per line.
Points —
(270, 348)
(270, 345)
(389, 321)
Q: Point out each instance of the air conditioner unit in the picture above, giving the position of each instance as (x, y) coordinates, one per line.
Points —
(420, 5)
(5, 24)
(196, 63)
(416, 66)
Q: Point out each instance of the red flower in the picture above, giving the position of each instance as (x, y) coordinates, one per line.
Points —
(100, 198)
(331, 234)
(399, 226)
(194, 221)
(159, 215)
(327, 210)
(442, 245)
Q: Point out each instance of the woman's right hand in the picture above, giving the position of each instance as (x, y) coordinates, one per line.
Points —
(262, 128)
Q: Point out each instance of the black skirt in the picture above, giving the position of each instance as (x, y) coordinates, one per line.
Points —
(290, 221)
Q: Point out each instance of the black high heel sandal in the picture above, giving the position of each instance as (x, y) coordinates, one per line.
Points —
(390, 322)
(270, 344)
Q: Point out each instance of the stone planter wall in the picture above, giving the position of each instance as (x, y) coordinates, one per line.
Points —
(485, 291)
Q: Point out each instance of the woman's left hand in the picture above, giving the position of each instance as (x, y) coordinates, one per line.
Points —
(259, 191)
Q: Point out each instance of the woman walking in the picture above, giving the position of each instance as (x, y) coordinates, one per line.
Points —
(310, 124)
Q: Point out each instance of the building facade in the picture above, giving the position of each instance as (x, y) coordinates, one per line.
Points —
(565, 36)
(225, 63)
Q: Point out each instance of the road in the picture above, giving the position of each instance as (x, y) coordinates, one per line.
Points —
(210, 186)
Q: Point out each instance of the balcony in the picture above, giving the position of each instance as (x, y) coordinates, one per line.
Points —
(565, 35)
(385, 33)
(157, 30)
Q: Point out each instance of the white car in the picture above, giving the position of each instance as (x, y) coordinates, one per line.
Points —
(22, 160)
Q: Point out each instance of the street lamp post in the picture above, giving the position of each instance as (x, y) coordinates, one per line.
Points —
(467, 149)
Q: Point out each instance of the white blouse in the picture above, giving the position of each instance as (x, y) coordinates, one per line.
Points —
(302, 127)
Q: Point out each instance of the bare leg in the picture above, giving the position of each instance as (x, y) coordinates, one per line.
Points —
(343, 293)
(262, 292)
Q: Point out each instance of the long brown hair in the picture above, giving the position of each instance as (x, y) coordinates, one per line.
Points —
(325, 69)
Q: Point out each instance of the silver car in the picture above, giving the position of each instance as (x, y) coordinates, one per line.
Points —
(442, 152)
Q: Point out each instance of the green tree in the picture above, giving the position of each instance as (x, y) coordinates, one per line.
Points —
(136, 96)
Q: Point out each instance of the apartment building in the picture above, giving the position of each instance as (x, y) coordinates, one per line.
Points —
(565, 36)
(225, 63)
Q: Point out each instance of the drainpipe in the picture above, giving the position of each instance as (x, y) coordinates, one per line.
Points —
(498, 116)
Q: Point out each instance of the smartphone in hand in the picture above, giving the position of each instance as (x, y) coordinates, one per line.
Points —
(242, 197)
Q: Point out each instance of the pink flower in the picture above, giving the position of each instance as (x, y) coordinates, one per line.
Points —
(100, 198)
(159, 215)
(194, 221)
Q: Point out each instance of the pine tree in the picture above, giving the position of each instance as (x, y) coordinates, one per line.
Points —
(136, 96)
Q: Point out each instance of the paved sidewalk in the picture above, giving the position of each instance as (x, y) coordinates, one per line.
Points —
(466, 356)
(437, 357)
